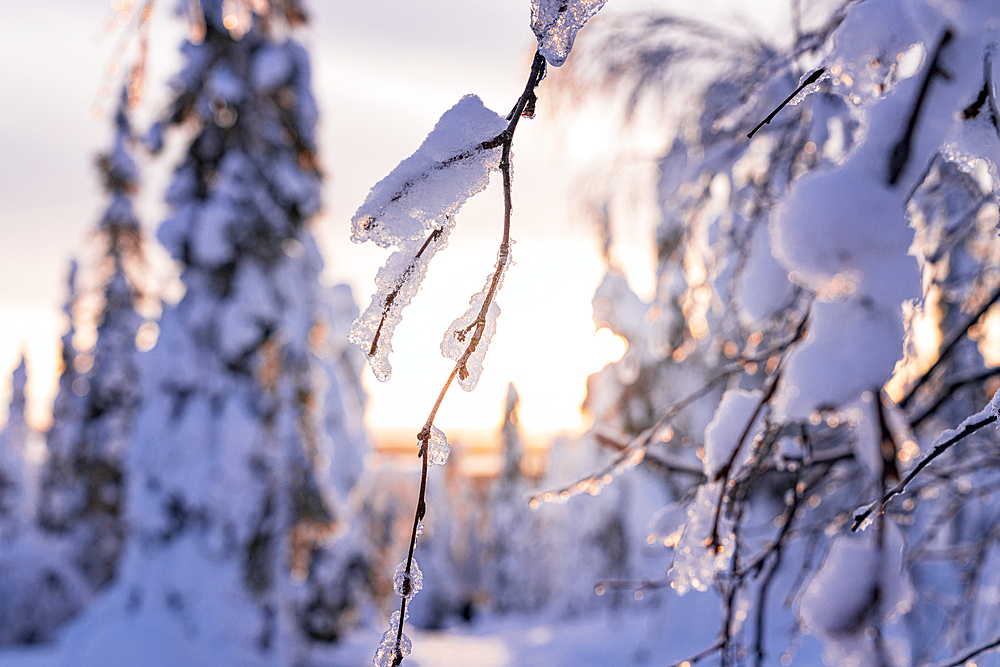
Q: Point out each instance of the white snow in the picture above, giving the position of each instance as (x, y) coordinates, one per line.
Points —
(431, 185)
(722, 436)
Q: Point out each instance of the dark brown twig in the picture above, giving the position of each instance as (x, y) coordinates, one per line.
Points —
(899, 155)
(940, 449)
(811, 79)
(506, 139)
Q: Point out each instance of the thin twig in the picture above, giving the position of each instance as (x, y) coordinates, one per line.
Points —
(899, 155)
(949, 390)
(506, 138)
(966, 431)
(811, 79)
(973, 653)
(948, 347)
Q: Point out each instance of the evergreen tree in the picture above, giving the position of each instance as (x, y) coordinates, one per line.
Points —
(82, 486)
(13, 479)
(40, 590)
(222, 488)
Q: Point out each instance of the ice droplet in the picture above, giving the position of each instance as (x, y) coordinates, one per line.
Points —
(389, 653)
(556, 22)
(470, 329)
(406, 584)
(438, 450)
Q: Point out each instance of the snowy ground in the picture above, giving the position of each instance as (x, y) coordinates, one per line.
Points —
(609, 639)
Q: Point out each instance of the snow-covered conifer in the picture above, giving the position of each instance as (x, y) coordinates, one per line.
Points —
(81, 501)
(223, 495)
(14, 494)
(41, 591)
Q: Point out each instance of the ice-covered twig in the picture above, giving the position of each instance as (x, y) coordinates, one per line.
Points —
(949, 346)
(949, 438)
(506, 139)
(399, 281)
(634, 452)
(900, 153)
(808, 81)
(949, 390)
(724, 472)
(972, 654)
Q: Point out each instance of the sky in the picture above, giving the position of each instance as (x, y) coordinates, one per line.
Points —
(383, 73)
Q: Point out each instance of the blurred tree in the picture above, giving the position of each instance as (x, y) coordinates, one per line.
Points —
(224, 495)
(821, 289)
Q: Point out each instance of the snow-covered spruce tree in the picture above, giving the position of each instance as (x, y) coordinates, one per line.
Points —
(81, 499)
(222, 490)
(820, 286)
(413, 209)
(513, 534)
(14, 493)
(40, 590)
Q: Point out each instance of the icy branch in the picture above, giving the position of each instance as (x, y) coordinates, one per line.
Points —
(397, 282)
(972, 424)
(556, 22)
(452, 164)
(808, 81)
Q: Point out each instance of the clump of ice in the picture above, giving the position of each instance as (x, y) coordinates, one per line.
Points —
(390, 653)
(462, 332)
(808, 90)
(696, 559)
(396, 284)
(722, 436)
(667, 525)
(452, 164)
(407, 584)
(438, 449)
(556, 22)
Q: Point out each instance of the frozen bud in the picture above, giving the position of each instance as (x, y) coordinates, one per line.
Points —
(438, 448)
(406, 584)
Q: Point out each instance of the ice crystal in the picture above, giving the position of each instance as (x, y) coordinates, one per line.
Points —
(396, 284)
(475, 330)
(696, 559)
(406, 584)
(389, 652)
(556, 22)
(438, 450)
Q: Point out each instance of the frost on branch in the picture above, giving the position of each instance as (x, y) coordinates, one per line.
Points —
(407, 584)
(396, 284)
(723, 434)
(438, 448)
(389, 652)
(696, 560)
(425, 189)
(474, 330)
(556, 22)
